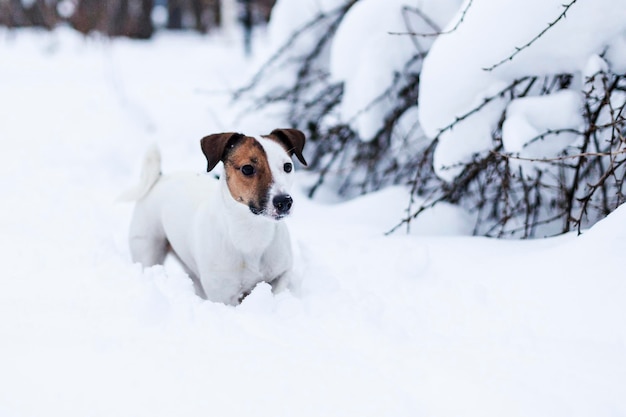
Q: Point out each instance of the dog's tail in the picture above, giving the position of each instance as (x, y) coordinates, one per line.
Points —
(150, 173)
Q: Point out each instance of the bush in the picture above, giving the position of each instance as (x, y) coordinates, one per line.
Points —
(558, 180)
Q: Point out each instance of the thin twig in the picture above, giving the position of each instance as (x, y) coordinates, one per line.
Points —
(485, 101)
(521, 48)
(340, 11)
(560, 158)
(439, 32)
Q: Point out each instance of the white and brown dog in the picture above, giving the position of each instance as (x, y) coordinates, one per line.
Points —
(225, 232)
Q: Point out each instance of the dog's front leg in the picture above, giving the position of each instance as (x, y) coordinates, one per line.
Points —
(220, 287)
(278, 261)
(281, 282)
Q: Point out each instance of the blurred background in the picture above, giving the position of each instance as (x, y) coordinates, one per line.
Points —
(134, 18)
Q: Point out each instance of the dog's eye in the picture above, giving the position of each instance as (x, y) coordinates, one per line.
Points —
(288, 167)
(247, 170)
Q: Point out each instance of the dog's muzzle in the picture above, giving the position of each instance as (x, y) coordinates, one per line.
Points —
(282, 204)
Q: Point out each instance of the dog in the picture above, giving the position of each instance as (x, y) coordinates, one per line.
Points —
(227, 232)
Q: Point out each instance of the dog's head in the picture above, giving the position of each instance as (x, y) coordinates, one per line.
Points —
(258, 171)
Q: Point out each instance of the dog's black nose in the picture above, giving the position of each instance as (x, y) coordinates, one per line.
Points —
(282, 203)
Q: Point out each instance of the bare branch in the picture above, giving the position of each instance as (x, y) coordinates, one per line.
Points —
(533, 40)
(485, 101)
(337, 13)
(433, 25)
(561, 158)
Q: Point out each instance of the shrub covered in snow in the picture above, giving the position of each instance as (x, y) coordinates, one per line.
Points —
(513, 110)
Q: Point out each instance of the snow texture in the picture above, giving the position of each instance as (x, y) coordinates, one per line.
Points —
(416, 324)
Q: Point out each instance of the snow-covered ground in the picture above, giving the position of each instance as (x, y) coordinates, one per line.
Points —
(435, 323)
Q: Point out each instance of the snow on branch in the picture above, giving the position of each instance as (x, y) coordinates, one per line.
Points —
(540, 154)
(485, 101)
(334, 16)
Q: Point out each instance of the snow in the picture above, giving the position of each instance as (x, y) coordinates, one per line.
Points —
(366, 56)
(290, 16)
(431, 323)
(529, 117)
(294, 27)
(454, 79)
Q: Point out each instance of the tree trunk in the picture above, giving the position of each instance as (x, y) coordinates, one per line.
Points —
(174, 14)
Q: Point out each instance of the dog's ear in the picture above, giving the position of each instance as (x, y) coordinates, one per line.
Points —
(293, 139)
(215, 146)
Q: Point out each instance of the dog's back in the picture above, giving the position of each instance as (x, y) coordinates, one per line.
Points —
(164, 212)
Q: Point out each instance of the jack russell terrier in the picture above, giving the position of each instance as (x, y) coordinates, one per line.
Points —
(226, 232)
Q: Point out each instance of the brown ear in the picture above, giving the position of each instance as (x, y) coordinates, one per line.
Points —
(293, 139)
(214, 147)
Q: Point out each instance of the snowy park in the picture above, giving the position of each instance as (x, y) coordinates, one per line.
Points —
(382, 318)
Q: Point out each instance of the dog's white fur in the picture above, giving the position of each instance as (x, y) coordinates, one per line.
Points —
(225, 248)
